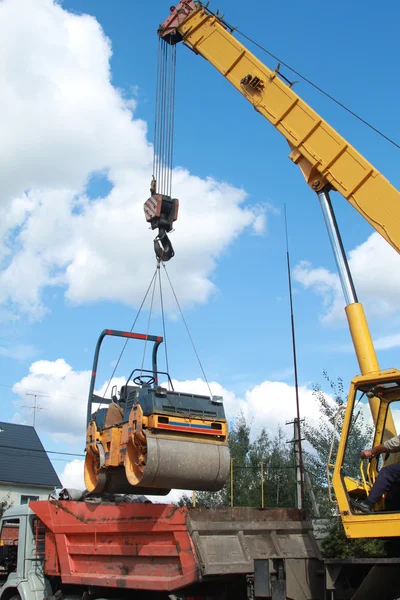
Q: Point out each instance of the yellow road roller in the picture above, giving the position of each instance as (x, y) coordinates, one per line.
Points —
(149, 438)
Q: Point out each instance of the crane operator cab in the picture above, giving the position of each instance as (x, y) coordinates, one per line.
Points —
(352, 480)
(151, 438)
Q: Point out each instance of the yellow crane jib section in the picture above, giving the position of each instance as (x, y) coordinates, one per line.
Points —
(321, 153)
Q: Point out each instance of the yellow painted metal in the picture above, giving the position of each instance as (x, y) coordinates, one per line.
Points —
(324, 157)
(366, 357)
(126, 455)
(362, 340)
(321, 153)
(156, 422)
(375, 524)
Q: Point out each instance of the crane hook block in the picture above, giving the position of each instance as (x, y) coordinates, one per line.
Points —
(161, 211)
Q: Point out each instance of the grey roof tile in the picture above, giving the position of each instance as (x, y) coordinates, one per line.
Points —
(23, 458)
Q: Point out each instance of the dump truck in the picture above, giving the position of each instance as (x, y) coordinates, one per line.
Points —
(116, 549)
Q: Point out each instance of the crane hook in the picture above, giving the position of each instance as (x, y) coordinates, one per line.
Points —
(163, 247)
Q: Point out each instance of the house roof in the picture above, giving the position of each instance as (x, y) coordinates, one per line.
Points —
(23, 459)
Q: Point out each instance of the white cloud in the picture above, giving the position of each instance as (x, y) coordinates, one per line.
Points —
(387, 342)
(18, 351)
(61, 397)
(61, 121)
(376, 273)
(72, 475)
(267, 405)
(62, 393)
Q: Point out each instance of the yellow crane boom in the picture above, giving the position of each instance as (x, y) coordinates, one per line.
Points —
(323, 155)
(328, 162)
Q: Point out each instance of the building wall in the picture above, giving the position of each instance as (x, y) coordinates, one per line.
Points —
(16, 492)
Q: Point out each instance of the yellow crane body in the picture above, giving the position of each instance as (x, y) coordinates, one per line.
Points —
(322, 153)
(328, 162)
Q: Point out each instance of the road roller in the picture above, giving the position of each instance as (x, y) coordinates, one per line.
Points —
(148, 438)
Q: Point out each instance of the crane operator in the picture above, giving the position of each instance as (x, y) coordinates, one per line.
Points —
(385, 482)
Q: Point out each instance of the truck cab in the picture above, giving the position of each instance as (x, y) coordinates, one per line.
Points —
(22, 556)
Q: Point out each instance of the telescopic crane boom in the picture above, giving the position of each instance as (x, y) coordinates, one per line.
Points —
(328, 162)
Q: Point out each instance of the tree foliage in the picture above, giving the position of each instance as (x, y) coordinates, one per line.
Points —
(4, 504)
(337, 545)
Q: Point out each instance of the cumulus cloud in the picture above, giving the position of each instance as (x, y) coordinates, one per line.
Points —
(62, 394)
(375, 269)
(62, 120)
(259, 404)
(72, 475)
(61, 397)
(387, 342)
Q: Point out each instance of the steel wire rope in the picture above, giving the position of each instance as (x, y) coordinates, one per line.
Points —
(164, 118)
(149, 319)
(317, 87)
(167, 123)
(164, 327)
(158, 116)
(155, 119)
(188, 331)
(130, 331)
(161, 116)
(171, 106)
(172, 111)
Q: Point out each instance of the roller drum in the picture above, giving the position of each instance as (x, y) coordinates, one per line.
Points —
(184, 464)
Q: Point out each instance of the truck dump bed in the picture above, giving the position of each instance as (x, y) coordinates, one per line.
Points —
(164, 548)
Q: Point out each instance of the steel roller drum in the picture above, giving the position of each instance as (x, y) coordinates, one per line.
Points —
(184, 464)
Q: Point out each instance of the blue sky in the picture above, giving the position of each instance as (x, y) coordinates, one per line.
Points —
(241, 326)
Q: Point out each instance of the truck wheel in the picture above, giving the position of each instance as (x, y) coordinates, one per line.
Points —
(15, 597)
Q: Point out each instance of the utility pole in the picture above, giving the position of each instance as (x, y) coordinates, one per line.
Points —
(232, 459)
(262, 483)
(297, 437)
(35, 406)
(298, 463)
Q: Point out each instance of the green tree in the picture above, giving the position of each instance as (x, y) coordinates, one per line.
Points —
(4, 504)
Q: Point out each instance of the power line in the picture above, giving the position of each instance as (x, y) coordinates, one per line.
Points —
(319, 89)
(304, 78)
(43, 450)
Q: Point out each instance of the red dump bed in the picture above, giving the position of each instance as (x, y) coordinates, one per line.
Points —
(162, 547)
(143, 546)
